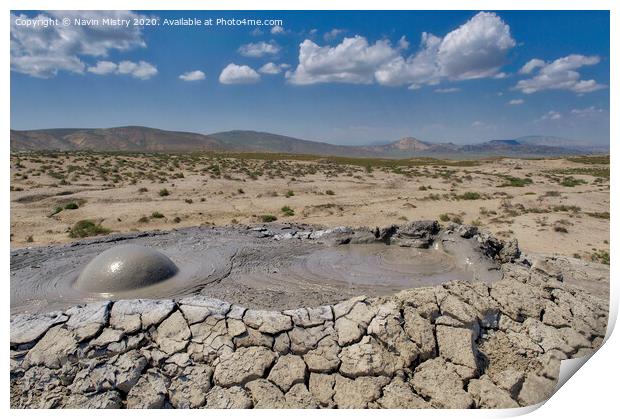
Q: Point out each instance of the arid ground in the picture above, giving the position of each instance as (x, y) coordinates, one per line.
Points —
(555, 206)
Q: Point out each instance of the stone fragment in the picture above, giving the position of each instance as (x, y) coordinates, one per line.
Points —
(368, 357)
(324, 358)
(198, 307)
(345, 307)
(132, 315)
(509, 380)
(235, 327)
(228, 398)
(399, 395)
(322, 388)
(298, 397)
(457, 345)
(282, 343)
(189, 390)
(243, 365)
(26, 328)
(252, 337)
(120, 374)
(307, 317)
(535, 389)
(173, 334)
(88, 320)
(357, 393)
(106, 400)
(518, 300)
(265, 395)
(149, 392)
(54, 349)
(438, 381)
(288, 371)
(306, 339)
(487, 395)
(420, 331)
(106, 337)
(271, 322)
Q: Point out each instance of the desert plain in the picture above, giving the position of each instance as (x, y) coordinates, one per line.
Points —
(556, 206)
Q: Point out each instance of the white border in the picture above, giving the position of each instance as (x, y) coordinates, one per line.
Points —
(593, 392)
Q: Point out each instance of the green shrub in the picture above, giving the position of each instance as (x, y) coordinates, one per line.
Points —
(470, 196)
(71, 206)
(330, 192)
(164, 192)
(156, 214)
(515, 182)
(287, 211)
(444, 217)
(289, 194)
(268, 218)
(87, 228)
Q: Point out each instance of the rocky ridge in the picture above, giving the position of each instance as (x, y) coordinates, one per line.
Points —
(458, 345)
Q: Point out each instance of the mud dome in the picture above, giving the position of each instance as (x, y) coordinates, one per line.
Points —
(275, 267)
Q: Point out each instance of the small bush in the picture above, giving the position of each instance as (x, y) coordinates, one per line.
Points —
(156, 214)
(87, 228)
(240, 191)
(142, 190)
(164, 192)
(330, 192)
(444, 217)
(571, 182)
(470, 196)
(143, 219)
(56, 211)
(71, 206)
(268, 218)
(189, 201)
(560, 229)
(515, 182)
(176, 220)
(289, 194)
(287, 211)
(29, 239)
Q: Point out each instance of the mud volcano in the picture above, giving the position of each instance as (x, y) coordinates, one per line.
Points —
(125, 267)
(410, 316)
(278, 267)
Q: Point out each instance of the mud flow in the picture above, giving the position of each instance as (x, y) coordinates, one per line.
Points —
(276, 268)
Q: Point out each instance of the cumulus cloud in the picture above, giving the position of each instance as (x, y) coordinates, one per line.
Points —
(476, 49)
(273, 68)
(333, 34)
(140, 70)
(560, 74)
(259, 49)
(516, 102)
(587, 112)
(551, 116)
(44, 51)
(238, 74)
(192, 75)
(277, 30)
(448, 90)
(354, 60)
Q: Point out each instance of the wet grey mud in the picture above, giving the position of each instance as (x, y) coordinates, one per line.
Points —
(280, 267)
(275, 316)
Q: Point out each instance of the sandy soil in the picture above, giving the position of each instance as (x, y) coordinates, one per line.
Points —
(564, 210)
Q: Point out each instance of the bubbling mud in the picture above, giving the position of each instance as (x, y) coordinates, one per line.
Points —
(125, 267)
(277, 268)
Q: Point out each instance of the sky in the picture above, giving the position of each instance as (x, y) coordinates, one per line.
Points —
(343, 77)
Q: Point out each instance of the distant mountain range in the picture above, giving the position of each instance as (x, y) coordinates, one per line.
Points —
(143, 139)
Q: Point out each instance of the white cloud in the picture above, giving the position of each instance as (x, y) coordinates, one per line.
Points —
(140, 70)
(272, 68)
(259, 49)
(476, 49)
(354, 60)
(516, 102)
(448, 90)
(192, 75)
(532, 65)
(277, 30)
(238, 74)
(44, 51)
(333, 34)
(103, 68)
(551, 116)
(587, 112)
(560, 74)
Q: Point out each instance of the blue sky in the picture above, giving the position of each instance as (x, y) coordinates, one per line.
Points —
(341, 77)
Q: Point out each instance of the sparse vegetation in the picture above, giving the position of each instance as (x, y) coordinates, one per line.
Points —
(268, 218)
(87, 228)
(157, 214)
(164, 192)
(287, 211)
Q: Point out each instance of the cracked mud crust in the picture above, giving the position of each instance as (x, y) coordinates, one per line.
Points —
(461, 344)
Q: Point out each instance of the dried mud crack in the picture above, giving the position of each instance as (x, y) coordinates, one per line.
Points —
(493, 338)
